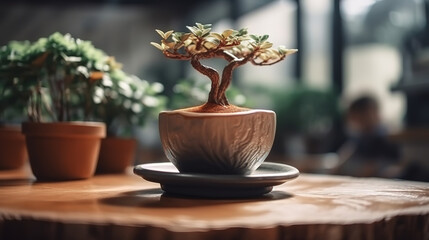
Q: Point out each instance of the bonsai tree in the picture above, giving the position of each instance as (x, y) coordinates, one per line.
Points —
(237, 47)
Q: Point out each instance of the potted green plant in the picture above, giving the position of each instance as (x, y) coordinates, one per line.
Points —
(64, 71)
(122, 102)
(14, 94)
(305, 115)
(218, 137)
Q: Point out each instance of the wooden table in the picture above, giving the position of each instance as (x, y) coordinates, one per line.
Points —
(127, 207)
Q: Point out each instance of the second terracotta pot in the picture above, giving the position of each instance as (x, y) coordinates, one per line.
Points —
(116, 154)
(13, 152)
(63, 150)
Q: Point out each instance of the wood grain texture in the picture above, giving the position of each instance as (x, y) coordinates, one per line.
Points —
(127, 207)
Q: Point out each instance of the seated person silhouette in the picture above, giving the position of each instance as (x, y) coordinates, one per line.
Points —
(367, 151)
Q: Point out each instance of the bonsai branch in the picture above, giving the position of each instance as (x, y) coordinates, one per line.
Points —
(267, 62)
(210, 73)
(176, 55)
(219, 86)
(226, 78)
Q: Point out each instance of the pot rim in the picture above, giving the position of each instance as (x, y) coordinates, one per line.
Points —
(69, 129)
(199, 114)
(11, 131)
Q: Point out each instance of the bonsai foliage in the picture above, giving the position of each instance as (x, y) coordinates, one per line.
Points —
(237, 47)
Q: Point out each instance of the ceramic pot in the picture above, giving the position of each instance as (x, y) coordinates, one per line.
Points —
(13, 152)
(217, 143)
(63, 150)
(116, 154)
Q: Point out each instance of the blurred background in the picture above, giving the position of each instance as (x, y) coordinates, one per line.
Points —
(354, 100)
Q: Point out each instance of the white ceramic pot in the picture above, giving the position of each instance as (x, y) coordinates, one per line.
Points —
(217, 143)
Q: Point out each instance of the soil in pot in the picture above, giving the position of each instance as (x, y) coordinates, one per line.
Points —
(13, 152)
(63, 150)
(116, 154)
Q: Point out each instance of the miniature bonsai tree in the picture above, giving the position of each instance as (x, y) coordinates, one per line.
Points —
(237, 47)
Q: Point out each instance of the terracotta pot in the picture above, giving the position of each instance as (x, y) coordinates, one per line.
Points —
(63, 150)
(116, 154)
(13, 152)
(218, 143)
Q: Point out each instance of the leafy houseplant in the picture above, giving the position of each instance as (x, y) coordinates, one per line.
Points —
(60, 73)
(123, 101)
(307, 114)
(14, 95)
(218, 137)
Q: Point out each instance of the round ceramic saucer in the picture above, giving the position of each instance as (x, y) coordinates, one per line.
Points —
(258, 183)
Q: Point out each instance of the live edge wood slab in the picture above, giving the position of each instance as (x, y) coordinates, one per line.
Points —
(128, 207)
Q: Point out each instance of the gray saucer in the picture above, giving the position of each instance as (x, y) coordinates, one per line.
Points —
(217, 186)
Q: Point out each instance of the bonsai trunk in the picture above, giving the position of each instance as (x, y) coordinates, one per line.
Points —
(219, 86)
(210, 73)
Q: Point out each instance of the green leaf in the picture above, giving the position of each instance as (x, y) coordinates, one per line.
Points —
(83, 70)
(199, 33)
(193, 30)
(199, 25)
(264, 38)
(254, 37)
(177, 36)
(242, 32)
(205, 32)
